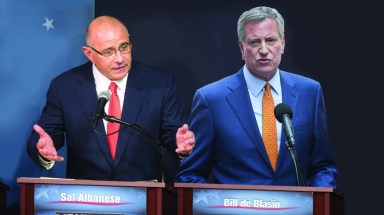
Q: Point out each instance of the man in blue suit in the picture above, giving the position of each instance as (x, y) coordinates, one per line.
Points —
(227, 117)
(147, 98)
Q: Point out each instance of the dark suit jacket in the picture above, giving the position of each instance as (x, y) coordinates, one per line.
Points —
(150, 102)
(229, 144)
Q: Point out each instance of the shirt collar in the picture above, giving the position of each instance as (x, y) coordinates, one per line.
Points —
(102, 82)
(256, 85)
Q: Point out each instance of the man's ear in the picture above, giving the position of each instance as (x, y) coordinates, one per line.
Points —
(87, 53)
(241, 46)
(282, 45)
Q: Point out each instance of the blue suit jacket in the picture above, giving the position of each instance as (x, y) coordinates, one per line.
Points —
(150, 101)
(229, 147)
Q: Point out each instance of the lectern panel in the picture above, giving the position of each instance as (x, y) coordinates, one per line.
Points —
(90, 200)
(219, 201)
(53, 196)
(195, 198)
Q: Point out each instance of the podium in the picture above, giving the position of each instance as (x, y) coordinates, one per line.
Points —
(3, 197)
(255, 199)
(93, 197)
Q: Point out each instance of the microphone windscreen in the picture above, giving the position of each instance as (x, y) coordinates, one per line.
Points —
(105, 94)
(282, 109)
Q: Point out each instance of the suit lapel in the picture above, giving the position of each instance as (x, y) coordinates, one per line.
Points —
(87, 97)
(241, 105)
(240, 102)
(134, 96)
(289, 97)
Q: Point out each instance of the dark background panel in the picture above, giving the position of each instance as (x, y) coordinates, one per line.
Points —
(336, 43)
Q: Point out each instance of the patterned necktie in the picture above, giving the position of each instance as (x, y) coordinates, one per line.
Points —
(269, 126)
(114, 110)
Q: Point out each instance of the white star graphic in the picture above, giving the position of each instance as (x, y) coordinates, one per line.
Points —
(48, 24)
(201, 195)
(42, 191)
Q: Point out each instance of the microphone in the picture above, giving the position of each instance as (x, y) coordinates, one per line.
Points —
(103, 99)
(283, 114)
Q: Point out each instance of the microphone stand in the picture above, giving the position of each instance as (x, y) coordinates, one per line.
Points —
(292, 151)
(150, 136)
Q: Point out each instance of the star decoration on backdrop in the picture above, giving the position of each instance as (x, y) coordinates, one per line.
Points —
(48, 24)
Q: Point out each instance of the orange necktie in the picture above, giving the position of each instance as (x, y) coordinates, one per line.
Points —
(114, 110)
(269, 126)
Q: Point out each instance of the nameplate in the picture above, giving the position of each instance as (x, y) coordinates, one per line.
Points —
(219, 201)
(89, 200)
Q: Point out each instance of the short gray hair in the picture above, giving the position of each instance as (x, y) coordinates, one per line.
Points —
(258, 14)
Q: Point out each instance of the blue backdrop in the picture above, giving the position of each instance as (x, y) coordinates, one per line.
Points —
(39, 39)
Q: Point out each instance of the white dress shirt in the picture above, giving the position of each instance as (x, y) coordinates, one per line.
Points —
(102, 83)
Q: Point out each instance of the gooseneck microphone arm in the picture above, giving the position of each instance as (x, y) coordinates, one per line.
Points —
(292, 151)
(283, 114)
(136, 127)
(149, 135)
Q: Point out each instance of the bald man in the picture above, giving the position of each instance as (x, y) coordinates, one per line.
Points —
(147, 97)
